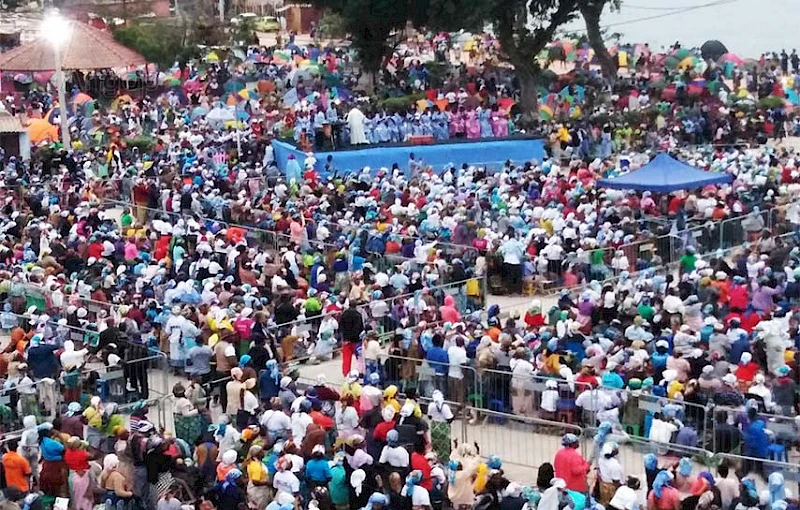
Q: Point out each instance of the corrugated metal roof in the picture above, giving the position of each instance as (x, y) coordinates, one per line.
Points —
(11, 124)
(87, 48)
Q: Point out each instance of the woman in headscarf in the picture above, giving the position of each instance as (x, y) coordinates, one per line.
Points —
(230, 491)
(259, 492)
(29, 444)
(599, 441)
(748, 496)
(227, 463)
(609, 471)
(441, 417)
(776, 490)
(113, 482)
(269, 381)
(703, 493)
(77, 460)
(226, 435)
(663, 496)
(554, 495)
(376, 501)
(394, 457)
(54, 478)
(420, 498)
(650, 469)
(683, 476)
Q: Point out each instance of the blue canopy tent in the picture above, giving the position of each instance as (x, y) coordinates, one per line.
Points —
(664, 174)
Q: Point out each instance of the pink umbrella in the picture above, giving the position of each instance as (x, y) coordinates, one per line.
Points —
(192, 85)
(730, 57)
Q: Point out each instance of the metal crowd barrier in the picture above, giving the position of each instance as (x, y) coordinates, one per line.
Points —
(522, 442)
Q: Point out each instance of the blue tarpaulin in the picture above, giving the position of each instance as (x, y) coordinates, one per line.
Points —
(489, 153)
(664, 174)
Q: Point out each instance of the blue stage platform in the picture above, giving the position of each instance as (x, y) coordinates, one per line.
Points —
(489, 153)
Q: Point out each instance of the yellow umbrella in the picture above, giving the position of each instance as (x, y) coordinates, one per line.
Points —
(212, 57)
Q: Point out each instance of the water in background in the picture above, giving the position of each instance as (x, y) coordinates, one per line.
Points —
(746, 27)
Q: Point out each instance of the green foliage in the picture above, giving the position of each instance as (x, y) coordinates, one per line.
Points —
(158, 41)
(331, 25)
(244, 32)
(401, 103)
(143, 143)
(437, 72)
(770, 102)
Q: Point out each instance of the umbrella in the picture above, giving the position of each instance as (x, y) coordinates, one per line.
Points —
(248, 94)
(792, 96)
(39, 130)
(234, 85)
(712, 50)
(305, 74)
(290, 98)
(682, 53)
(43, 77)
(212, 57)
(442, 104)
(199, 112)
(545, 112)
(265, 86)
(732, 58)
(171, 81)
(506, 104)
(231, 99)
(24, 79)
(53, 116)
(687, 63)
(193, 85)
(81, 98)
(219, 115)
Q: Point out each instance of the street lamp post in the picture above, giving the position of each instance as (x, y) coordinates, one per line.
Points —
(56, 30)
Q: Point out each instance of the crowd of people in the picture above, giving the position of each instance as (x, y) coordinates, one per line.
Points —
(197, 246)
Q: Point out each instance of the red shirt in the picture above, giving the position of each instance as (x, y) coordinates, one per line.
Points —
(77, 460)
(320, 419)
(747, 372)
(418, 462)
(382, 429)
(569, 465)
(737, 297)
(96, 250)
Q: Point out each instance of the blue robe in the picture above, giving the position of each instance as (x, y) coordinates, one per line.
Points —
(293, 171)
(394, 131)
(382, 131)
(486, 126)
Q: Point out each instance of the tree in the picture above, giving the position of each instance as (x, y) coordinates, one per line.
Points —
(524, 28)
(591, 10)
(159, 42)
(372, 24)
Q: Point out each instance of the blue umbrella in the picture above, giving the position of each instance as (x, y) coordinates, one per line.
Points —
(199, 112)
(290, 98)
(792, 96)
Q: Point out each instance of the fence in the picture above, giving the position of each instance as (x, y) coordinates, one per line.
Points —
(523, 443)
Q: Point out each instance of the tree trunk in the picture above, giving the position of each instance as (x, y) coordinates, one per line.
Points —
(608, 64)
(528, 96)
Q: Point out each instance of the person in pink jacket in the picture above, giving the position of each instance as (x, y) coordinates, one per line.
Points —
(570, 465)
(449, 311)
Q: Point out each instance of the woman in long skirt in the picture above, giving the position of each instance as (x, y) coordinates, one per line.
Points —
(77, 460)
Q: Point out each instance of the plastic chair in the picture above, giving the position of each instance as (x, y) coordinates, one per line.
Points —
(777, 452)
(633, 429)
